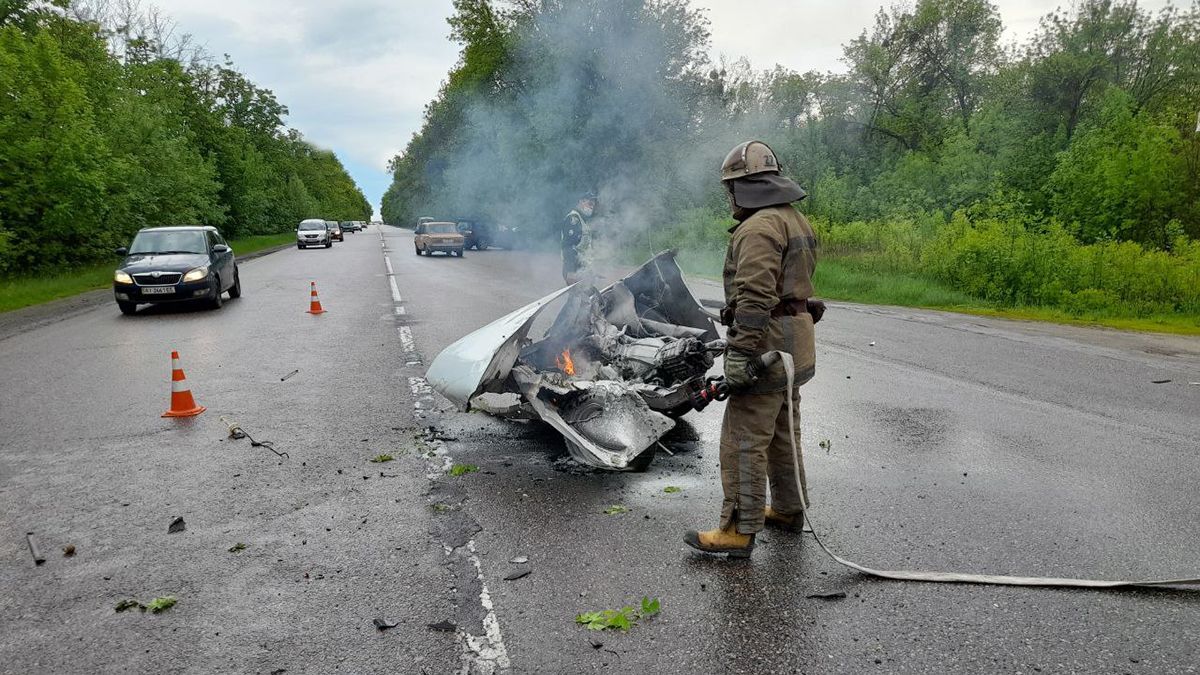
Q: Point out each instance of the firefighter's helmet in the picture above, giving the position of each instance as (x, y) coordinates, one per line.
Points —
(748, 159)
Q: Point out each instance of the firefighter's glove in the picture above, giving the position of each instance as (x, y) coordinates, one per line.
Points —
(816, 309)
(739, 370)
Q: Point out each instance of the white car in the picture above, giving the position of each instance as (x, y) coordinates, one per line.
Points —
(313, 232)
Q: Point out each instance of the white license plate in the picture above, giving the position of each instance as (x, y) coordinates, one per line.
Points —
(158, 290)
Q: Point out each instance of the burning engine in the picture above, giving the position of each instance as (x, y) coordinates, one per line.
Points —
(610, 373)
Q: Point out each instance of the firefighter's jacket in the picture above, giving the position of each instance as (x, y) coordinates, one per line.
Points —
(768, 280)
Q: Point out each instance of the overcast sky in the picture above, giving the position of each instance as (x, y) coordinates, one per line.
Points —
(356, 74)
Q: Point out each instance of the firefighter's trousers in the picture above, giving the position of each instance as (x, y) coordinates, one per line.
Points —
(756, 450)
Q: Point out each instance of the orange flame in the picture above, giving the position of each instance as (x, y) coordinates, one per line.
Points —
(565, 363)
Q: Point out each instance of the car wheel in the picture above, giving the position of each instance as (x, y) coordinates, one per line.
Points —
(417, 249)
(328, 244)
(459, 253)
(127, 308)
(300, 246)
(218, 298)
(235, 291)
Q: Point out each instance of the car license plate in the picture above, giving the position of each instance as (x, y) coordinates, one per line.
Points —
(158, 290)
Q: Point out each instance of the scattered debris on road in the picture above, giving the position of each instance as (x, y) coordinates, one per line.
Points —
(828, 595)
(444, 626)
(69, 551)
(176, 525)
(612, 371)
(236, 431)
(1159, 381)
(671, 489)
(519, 560)
(616, 509)
(381, 458)
(518, 574)
(285, 377)
(156, 606)
(34, 550)
(238, 547)
(384, 624)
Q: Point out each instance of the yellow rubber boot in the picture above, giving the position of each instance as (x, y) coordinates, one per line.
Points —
(727, 540)
(791, 522)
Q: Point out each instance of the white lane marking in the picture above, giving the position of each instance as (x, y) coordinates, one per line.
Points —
(406, 339)
(487, 652)
(395, 290)
(388, 261)
(400, 311)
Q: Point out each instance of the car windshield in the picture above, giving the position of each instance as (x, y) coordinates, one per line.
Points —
(167, 241)
(439, 228)
(333, 226)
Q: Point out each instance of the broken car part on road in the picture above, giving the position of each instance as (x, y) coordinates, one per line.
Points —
(610, 373)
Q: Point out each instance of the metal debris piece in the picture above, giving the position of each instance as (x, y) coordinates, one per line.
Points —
(38, 558)
(610, 373)
(444, 626)
(384, 624)
(176, 525)
(1159, 381)
(69, 550)
(518, 574)
(519, 560)
(828, 595)
(236, 431)
(285, 377)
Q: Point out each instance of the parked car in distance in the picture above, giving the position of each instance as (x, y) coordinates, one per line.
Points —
(175, 264)
(313, 232)
(431, 237)
(335, 231)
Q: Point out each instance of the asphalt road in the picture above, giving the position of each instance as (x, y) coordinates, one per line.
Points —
(952, 443)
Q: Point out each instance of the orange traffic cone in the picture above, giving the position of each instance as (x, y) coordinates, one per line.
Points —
(314, 304)
(182, 403)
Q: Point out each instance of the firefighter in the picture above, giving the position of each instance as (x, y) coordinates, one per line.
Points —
(768, 285)
(576, 237)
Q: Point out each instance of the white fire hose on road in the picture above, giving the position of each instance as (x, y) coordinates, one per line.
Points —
(769, 359)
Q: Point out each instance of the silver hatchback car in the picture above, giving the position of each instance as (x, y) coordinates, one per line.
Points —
(313, 232)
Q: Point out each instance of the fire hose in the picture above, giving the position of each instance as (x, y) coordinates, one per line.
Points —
(717, 389)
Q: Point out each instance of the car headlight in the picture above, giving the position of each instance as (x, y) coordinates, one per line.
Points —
(122, 278)
(196, 274)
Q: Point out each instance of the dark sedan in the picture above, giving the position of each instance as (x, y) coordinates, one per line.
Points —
(175, 264)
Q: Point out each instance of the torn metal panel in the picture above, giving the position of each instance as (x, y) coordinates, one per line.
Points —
(466, 368)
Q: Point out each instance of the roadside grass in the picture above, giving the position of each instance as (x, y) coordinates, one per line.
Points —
(18, 292)
(852, 280)
(841, 279)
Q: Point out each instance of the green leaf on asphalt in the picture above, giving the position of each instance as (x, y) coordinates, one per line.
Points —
(616, 509)
(461, 469)
(619, 619)
(650, 607)
(237, 547)
(440, 508)
(129, 604)
(159, 605)
(379, 459)
(670, 489)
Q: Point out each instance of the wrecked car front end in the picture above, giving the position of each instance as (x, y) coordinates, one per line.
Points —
(610, 373)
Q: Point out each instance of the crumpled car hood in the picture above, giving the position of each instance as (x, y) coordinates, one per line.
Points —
(603, 416)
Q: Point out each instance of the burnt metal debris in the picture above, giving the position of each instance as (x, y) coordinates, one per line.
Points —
(611, 372)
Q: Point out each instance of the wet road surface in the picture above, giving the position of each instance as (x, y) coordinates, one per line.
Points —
(951, 443)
